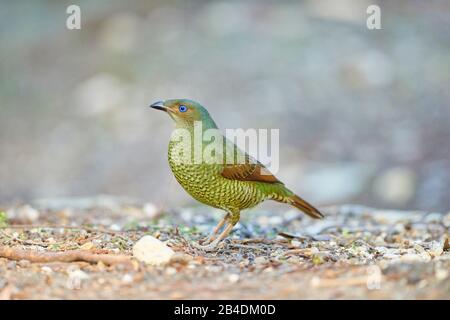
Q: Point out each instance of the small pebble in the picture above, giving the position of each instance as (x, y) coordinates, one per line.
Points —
(47, 270)
(11, 265)
(24, 263)
(127, 278)
(152, 251)
(260, 260)
(233, 278)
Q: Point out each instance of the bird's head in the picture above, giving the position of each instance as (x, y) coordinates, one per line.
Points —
(185, 112)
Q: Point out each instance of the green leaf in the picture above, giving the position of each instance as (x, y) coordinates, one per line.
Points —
(3, 219)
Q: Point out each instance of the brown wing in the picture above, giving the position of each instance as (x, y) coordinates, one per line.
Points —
(243, 167)
(249, 172)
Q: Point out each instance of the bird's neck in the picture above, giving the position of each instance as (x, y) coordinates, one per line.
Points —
(188, 142)
(197, 126)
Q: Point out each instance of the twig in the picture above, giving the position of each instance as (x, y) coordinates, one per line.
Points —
(261, 240)
(293, 236)
(14, 253)
(303, 252)
(242, 246)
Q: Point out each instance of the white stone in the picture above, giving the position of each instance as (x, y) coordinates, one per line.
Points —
(441, 274)
(437, 248)
(127, 278)
(150, 210)
(233, 278)
(47, 270)
(76, 278)
(115, 227)
(152, 251)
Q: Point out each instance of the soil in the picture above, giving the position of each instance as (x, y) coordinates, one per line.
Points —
(356, 253)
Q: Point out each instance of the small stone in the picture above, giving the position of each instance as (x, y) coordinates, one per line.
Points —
(260, 260)
(24, 263)
(47, 270)
(127, 278)
(115, 227)
(315, 282)
(410, 257)
(244, 263)
(76, 278)
(171, 271)
(152, 251)
(11, 265)
(296, 243)
(391, 256)
(437, 248)
(441, 274)
(233, 278)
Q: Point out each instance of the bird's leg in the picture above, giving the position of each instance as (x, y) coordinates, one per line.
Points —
(216, 229)
(231, 223)
(211, 246)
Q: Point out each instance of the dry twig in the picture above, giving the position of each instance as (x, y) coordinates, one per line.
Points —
(15, 253)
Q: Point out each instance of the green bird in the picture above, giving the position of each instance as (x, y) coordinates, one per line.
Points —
(227, 182)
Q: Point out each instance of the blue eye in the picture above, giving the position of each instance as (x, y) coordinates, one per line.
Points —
(182, 108)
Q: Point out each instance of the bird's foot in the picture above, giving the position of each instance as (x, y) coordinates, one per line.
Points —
(208, 239)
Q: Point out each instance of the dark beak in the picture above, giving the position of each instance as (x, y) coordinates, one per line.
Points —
(159, 105)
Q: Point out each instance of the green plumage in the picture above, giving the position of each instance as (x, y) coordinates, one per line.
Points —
(205, 183)
(228, 185)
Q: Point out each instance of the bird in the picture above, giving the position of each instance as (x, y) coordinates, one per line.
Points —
(230, 185)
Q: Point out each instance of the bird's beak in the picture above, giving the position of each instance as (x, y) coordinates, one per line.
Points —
(159, 105)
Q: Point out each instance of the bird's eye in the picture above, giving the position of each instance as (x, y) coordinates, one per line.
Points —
(182, 108)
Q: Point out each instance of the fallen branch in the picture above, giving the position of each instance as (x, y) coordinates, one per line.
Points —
(14, 253)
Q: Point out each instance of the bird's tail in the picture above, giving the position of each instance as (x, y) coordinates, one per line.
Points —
(304, 206)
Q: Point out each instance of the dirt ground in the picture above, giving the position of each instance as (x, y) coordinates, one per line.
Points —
(356, 252)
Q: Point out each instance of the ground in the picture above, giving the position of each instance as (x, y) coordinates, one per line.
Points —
(356, 252)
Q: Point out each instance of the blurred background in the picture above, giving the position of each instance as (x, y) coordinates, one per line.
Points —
(363, 114)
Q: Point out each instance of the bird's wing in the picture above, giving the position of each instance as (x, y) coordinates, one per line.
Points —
(247, 170)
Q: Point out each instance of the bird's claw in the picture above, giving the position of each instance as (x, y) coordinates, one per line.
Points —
(208, 240)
